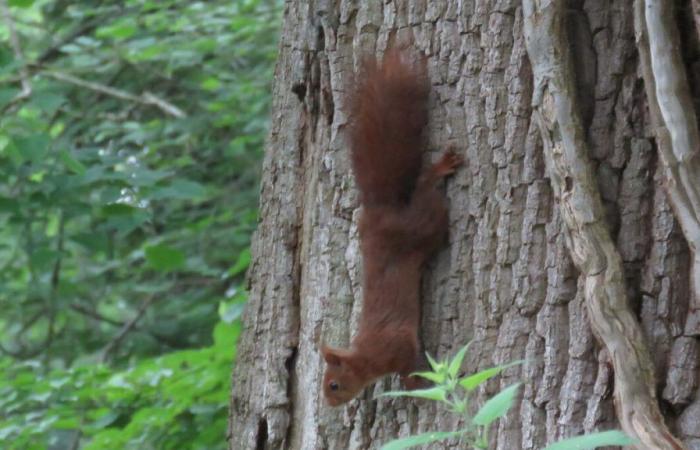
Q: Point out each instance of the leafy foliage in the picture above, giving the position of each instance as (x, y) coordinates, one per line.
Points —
(178, 400)
(455, 393)
(130, 139)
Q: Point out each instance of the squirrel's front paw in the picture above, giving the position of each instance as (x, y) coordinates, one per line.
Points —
(448, 163)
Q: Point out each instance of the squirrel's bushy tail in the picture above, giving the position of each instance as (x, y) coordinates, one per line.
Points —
(389, 110)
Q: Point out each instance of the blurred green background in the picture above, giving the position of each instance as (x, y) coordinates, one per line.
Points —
(131, 134)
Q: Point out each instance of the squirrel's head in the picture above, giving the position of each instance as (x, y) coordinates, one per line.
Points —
(341, 382)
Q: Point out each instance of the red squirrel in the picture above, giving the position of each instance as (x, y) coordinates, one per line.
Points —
(403, 221)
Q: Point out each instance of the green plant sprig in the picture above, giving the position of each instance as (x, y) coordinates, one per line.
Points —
(455, 393)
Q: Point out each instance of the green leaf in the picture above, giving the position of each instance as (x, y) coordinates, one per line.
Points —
(38, 176)
(456, 362)
(106, 419)
(119, 209)
(32, 148)
(96, 242)
(211, 84)
(47, 101)
(594, 440)
(6, 58)
(181, 190)
(21, 3)
(44, 257)
(148, 53)
(473, 381)
(226, 335)
(437, 378)
(6, 94)
(231, 312)
(436, 366)
(497, 406)
(8, 205)
(425, 438)
(67, 423)
(435, 393)
(120, 30)
(242, 263)
(71, 163)
(162, 257)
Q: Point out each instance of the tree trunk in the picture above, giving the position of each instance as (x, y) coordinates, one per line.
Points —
(521, 276)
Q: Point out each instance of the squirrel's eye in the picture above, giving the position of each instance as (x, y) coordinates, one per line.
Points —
(333, 385)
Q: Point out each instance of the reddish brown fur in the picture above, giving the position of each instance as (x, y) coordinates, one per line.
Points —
(404, 220)
(389, 110)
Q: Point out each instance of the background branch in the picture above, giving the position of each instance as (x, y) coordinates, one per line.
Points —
(128, 326)
(95, 315)
(146, 98)
(17, 49)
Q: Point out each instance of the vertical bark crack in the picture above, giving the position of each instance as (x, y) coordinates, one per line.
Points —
(261, 441)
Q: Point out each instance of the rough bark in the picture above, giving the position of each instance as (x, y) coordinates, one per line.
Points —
(673, 116)
(588, 236)
(506, 280)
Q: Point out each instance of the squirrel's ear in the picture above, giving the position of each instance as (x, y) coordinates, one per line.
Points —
(332, 356)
